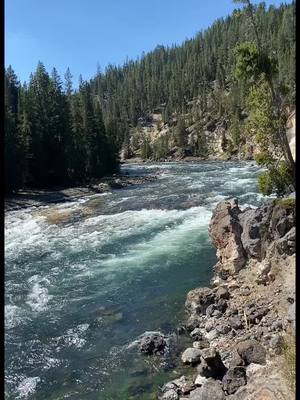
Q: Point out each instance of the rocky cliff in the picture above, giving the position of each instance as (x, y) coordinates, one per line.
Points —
(242, 328)
(206, 137)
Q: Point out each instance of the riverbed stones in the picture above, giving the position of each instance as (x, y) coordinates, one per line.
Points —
(153, 343)
(251, 351)
(191, 356)
(233, 379)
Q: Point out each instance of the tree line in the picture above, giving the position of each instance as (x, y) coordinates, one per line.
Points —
(55, 135)
(172, 76)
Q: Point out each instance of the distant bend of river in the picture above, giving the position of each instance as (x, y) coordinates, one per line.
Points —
(84, 279)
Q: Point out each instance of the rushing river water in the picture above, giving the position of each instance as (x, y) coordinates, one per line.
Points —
(84, 279)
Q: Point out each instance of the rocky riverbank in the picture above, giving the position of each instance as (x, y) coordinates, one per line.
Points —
(38, 198)
(242, 327)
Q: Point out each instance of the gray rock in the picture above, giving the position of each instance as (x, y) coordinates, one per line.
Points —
(196, 334)
(210, 310)
(251, 351)
(223, 293)
(217, 314)
(199, 299)
(153, 343)
(192, 323)
(213, 334)
(236, 323)
(223, 328)
(201, 344)
(291, 315)
(255, 224)
(233, 379)
(180, 386)
(191, 356)
(236, 360)
(210, 390)
(170, 394)
(200, 380)
(225, 231)
(209, 326)
(184, 385)
(276, 343)
(211, 364)
(221, 305)
(287, 244)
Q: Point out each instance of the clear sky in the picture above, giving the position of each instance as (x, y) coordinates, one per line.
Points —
(81, 34)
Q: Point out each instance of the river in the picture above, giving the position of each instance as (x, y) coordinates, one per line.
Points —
(84, 279)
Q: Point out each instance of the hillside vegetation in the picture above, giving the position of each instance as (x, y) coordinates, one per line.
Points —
(172, 102)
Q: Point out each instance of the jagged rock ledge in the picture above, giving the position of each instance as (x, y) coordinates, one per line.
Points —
(239, 325)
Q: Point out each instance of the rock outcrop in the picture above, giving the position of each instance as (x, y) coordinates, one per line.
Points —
(238, 326)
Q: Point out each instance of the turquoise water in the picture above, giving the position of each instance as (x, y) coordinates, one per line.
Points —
(84, 279)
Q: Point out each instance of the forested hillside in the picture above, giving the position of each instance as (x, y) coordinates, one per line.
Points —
(55, 135)
(195, 80)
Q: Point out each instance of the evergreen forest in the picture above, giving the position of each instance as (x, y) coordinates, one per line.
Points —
(56, 135)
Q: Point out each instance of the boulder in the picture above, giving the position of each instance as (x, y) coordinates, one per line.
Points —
(225, 231)
(192, 323)
(255, 224)
(153, 343)
(221, 305)
(210, 390)
(223, 328)
(201, 344)
(283, 217)
(287, 244)
(236, 323)
(184, 385)
(233, 379)
(276, 343)
(251, 351)
(211, 364)
(291, 315)
(170, 394)
(191, 356)
(199, 299)
(180, 386)
(200, 380)
(196, 334)
(211, 335)
(223, 293)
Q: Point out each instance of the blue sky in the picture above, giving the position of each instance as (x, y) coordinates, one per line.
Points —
(81, 34)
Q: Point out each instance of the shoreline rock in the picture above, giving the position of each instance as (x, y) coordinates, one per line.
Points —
(250, 307)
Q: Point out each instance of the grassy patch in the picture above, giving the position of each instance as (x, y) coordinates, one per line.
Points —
(289, 356)
(286, 203)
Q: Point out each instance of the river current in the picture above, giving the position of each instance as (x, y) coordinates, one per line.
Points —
(84, 279)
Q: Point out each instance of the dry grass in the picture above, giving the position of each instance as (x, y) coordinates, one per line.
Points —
(289, 359)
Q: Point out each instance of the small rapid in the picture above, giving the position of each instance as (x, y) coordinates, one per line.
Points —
(84, 279)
